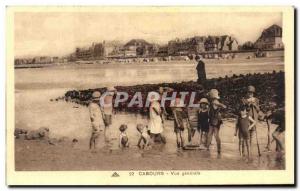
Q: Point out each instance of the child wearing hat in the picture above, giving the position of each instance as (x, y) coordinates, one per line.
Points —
(179, 122)
(107, 110)
(95, 117)
(215, 120)
(123, 138)
(244, 124)
(203, 120)
(252, 104)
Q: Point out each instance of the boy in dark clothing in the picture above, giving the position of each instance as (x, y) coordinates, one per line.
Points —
(215, 120)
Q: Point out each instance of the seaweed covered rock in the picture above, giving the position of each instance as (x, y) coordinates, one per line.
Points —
(232, 89)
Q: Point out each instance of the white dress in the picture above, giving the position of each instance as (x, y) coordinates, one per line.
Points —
(155, 122)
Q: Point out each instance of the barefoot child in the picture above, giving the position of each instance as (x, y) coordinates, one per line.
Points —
(96, 117)
(203, 121)
(243, 127)
(123, 140)
(179, 124)
(215, 119)
(144, 136)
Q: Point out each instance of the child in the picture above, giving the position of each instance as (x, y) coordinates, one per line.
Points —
(203, 121)
(179, 123)
(192, 122)
(123, 141)
(278, 118)
(243, 127)
(253, 108)
(215, 120)
(95, 116)
(144, 136)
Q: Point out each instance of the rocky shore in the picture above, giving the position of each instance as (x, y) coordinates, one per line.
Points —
(269, 89)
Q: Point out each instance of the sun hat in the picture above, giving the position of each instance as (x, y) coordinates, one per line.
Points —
(96, 95)
(251, 89)
(214, 94)
(203, 100)
(123, 127)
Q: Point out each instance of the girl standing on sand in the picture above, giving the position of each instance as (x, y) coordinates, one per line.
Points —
(203, 121)
(155, 122)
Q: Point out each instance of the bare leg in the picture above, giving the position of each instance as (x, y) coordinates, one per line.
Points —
(209, 137)
(91, 142)
(247, 147)
(201, 134)
(243, 147)
(177, 140)
(181, 139)
(240, 147)
(216, 132)
(107, 133)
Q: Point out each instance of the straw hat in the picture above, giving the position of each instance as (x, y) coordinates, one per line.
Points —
(214, 94)
(203, 100)
(123, 127)
(96, 95)
(251, 89)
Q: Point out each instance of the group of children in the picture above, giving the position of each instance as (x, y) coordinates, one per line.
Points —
(206, 120)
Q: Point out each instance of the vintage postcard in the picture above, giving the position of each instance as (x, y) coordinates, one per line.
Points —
(150, 96)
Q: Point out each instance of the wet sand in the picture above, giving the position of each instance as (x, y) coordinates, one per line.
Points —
(34, 109)
(39, 155)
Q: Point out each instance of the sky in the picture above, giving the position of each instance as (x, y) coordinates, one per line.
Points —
(59, 33)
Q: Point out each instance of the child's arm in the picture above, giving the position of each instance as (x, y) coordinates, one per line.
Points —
(253, 123)
(222, 105)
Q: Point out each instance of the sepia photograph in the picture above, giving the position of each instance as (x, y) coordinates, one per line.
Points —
(150, 95)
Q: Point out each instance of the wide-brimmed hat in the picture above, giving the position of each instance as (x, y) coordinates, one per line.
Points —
(96, 95)
(203, 100)
(251, 89)
(214, 94)
(123, 127)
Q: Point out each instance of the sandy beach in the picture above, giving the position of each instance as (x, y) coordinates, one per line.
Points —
(35, 87)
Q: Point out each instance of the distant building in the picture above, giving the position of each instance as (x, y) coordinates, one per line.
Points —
(162, 51)
(248, 46)
(141, 47)
(271, 38)
(221, 43)
(96, 51)
(186, 46)
(212, 43)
